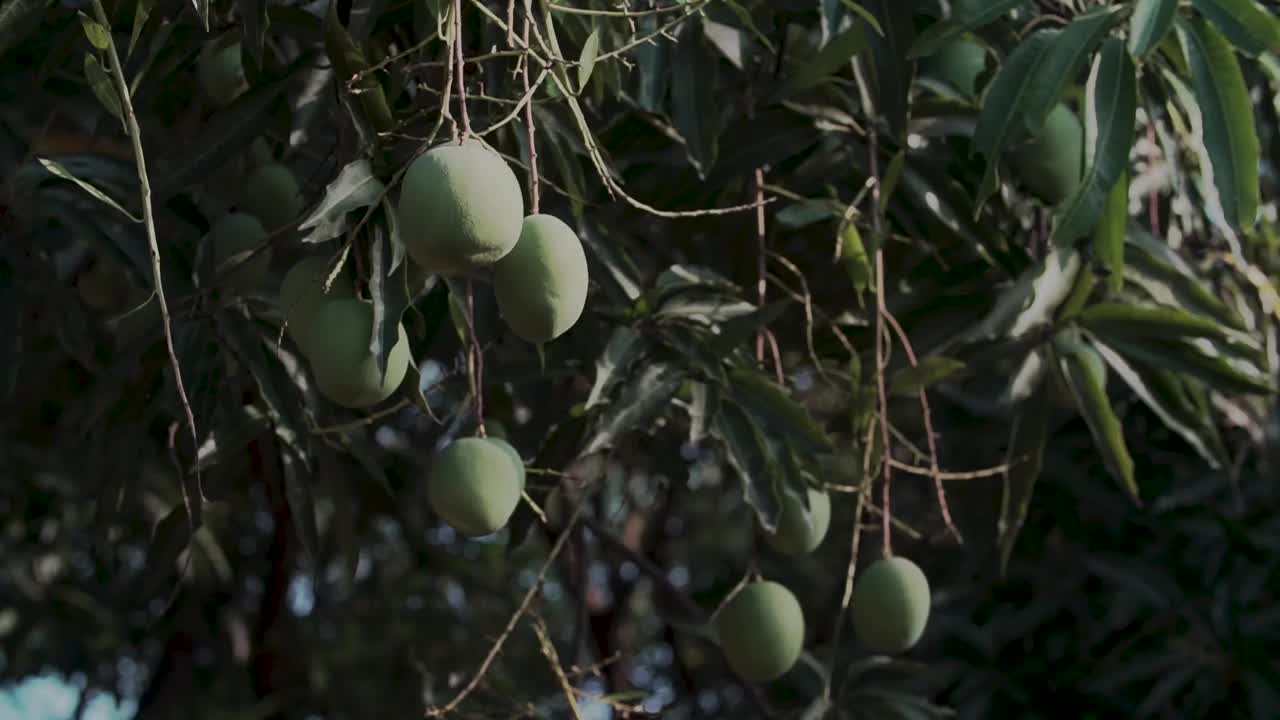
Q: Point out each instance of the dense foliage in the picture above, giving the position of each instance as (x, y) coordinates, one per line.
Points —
(992, 282)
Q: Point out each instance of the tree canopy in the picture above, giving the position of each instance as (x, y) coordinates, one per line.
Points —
(986, 287)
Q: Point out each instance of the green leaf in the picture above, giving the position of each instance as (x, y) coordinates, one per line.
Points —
(891, 71)
(746, 449)
(169, 539)
(1145, 321)
(1031, 302)
(777, 411)
(1182, 356)
(1149, 25)
(58, 169)
(1002, 108)
(853, 257)
(348, 59)
(1163, 393)
(1248, 26)
(1086, 376)
(202, 12)
(355, 187)
(97, 34)
(624, 346)
(932, 370)
(694, 110)
(254, 24)
(833, 57)
(302, 504)
(102, 87)
(587, 60)
(389, 291)
(1167, 277)
(1229, 135)
(1111, 106)
(141, 11)
(1060, 66)
(1108, 236)
(653, 68)
(965, 16)
(640, 401)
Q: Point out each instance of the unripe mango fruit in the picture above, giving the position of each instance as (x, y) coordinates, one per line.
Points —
(474, 486)
(302, 293)
(272, 195)
(232, 239)
(890, 605)
(345, 370)
(541, 285)
(1052, 163)
(761, 631)
(958, 64)
(511, 451)
(799, 533)
(460, 208)
(221, 72)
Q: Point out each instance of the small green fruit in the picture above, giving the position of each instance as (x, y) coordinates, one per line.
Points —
(302, 294)
(345, 371)
(541, 285)
(800, 532)
(1052, 162)
(259, 153)
(510, 450)
(232, 239)
(460, 208)
(474, 486)
(890, 605)
(272, 195)
(958, 64)
(761, 631)
(221, 72)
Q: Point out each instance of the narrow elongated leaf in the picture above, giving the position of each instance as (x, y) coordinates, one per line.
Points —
(369, 99)
(389, 291)
(254, 23)
(1003, 107)
(1062, 64)
(832, 58)
(746, 450)
(965, 16)
(1152, 265)
(1229, 134)
(1086, 374)
(693, 98)
(58, 169)
(1137, 321)
(102, 87)
(1030, 303)
(1244, 22)
(623, 348)
(853, 257)
(892, 70)
(1110, 110)
(653, 71)
(302, 504)
(637, 405)
(587, 60)
(1160, 391)
(1183, 357)
(1108, 236)
(776, 411)
(931, 370)
(170, 537)
(1149, 25)
(141, 11)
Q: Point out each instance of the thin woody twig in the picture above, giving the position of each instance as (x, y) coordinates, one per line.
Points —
(530, 130)
(148, 217)
(441, 711)
(761, 283)
(461, 68)
(934, 470)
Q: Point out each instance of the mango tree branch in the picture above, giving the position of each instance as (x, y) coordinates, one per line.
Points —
(148, 218)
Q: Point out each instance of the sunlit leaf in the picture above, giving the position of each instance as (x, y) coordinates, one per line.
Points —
(1086, 374)
(1149, 25)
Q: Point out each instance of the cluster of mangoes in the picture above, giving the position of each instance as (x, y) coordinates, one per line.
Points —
(761, 628)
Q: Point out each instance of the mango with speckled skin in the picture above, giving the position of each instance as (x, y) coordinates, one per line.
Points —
(346, 371)
(761, 631)
(233, 239)
(474, 486)
(541, 285)
(461, 208)
(890, 605)
(272, 195)
(1052, 163)
(221, 72)
(302, 294)
(800, 532)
